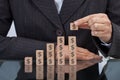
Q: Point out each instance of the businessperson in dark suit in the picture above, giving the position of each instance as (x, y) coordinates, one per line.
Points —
(38, 22)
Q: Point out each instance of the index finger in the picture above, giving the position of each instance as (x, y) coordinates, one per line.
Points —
(81, 21)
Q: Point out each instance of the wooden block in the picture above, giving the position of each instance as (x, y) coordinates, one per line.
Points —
(73, 27)
(39, 53)
(60, 40)
(39, 62)
(50, 54)
(28, 61)
(72, 50)
(73, 73)
(60, 50)
(72, 40)
(50, 72)
(39, 57)
(50, 46)
(39, 72)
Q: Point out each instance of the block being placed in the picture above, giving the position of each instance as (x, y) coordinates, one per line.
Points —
(73, 26)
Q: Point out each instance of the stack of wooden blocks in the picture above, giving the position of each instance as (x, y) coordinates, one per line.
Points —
(51, 54)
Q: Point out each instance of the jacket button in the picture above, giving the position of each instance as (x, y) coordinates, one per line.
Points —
(59, 33)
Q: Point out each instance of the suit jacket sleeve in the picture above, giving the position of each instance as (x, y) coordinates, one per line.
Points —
(14, 47)
(113, 12)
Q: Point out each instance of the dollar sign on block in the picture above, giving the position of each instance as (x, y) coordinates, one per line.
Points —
(73, 27)
(60, 52)
(50, 54)
(39, 57)
(28, 61)
(72, 50)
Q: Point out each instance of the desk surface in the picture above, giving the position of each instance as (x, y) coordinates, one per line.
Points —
(111, 70)
(16, 70)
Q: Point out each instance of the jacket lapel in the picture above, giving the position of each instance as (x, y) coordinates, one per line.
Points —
(68, 9)
(48, 8)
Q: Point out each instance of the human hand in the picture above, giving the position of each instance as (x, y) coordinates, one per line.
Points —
(81, 54)
(99, 24)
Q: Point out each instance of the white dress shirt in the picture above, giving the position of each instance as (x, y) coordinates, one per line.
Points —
(58, 4)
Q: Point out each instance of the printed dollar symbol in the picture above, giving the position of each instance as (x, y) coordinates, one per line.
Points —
(39, 61)
(50, 47)
(60, 40)
(60, 47)
(28, 61)
(39, 54)
(72, 54)
(50, 54)
(72, 40)
(61, 54)
(74, 27)
(72, 47)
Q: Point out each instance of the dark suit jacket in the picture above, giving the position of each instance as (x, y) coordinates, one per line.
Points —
(37, 23)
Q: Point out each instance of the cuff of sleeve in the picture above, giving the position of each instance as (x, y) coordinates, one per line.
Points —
(105, 44)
